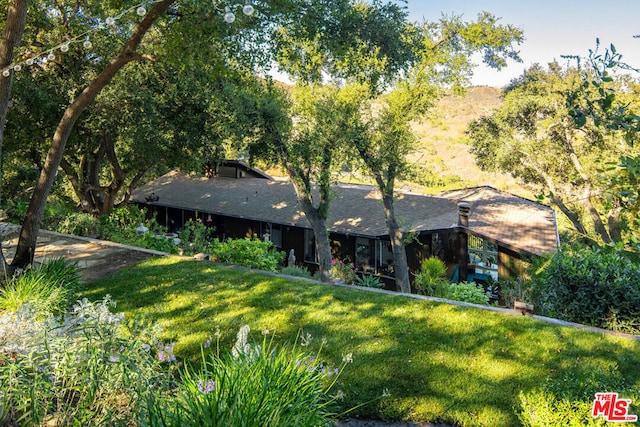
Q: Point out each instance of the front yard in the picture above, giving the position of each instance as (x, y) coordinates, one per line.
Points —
(436, 362)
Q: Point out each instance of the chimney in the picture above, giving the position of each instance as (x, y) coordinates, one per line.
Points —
(464, 208)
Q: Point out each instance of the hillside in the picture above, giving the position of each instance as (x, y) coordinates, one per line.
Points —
(444, 148)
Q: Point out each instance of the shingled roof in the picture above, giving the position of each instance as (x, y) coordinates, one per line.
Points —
(517, 223)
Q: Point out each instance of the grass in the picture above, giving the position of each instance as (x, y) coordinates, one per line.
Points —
(438, 362)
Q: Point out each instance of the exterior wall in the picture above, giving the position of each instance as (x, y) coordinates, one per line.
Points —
(510, 264)
(343, 247)
(293, 238)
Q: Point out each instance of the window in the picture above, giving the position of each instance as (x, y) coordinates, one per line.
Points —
(364, 256)
(309, 246)
(483, 255)
(276, 235)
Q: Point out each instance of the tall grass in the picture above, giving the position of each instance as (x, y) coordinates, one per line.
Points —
(253, 385)
(48, 288)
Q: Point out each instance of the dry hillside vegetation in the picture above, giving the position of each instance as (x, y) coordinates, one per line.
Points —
(444, 147)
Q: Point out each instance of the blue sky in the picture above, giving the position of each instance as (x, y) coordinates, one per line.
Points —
(551, 28)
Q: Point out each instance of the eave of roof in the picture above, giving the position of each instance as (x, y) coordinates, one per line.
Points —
(518, 224)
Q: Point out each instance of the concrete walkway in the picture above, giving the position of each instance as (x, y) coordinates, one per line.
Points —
(95, 258)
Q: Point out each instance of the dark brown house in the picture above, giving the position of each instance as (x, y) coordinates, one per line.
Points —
(502, 230)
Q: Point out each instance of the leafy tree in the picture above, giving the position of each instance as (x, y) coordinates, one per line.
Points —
(31, 225)
(383, 48)
(365, 43)
(191, 21)
(444, 61)
(15, 21)
(325, 121)
(534, 137)
(613, 108)
(153, 129)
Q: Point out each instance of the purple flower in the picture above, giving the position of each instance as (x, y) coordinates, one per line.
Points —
(166, 354)
(207, 343)
(113, 359)
(206, 387)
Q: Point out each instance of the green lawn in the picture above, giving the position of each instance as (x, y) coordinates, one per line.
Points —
(438, 361)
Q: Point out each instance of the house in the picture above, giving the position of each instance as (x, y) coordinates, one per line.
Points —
(496, 235)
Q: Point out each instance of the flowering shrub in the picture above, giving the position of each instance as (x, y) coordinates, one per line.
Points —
(253, 385)
(82, 369)
(342, 271)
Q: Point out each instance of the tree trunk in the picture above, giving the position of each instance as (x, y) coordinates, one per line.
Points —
(595, 215)
(557, 200)
(31, 225)
(11, 38)
(400, 264)
(323, 247)
(586, 198)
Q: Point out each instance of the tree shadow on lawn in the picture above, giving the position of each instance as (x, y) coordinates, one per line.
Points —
(437, 361)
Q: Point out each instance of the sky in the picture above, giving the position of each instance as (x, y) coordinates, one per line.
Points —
(551, 29)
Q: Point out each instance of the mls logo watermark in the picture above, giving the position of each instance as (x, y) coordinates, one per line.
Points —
(612, 408)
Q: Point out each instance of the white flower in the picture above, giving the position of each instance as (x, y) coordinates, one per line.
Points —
(347, 358)
(241, 346)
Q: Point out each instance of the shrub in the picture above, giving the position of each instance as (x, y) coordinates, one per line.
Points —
(252, 253)
(195, 237)
(342, 271)
(368, 281)
(82, 370)
(432, 273)
(254, 385)
(47, 288)
(120, 226)
(468, 292)
(296, 271)
(79, 224)
(590, 286)
(568, 400)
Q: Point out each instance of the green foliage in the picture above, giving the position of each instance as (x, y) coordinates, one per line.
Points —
(296, 271)
(80, 224)
(343, 271)
(47, 288)
(195, 237)
(568, 400)
(80, 370)
(467, 292)
(432, 272)
(368, 281)
(252, 253)
(254, 385)
(599, 287)
(16, 210)
(120, 226)
(431, 280)
(423, 176)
